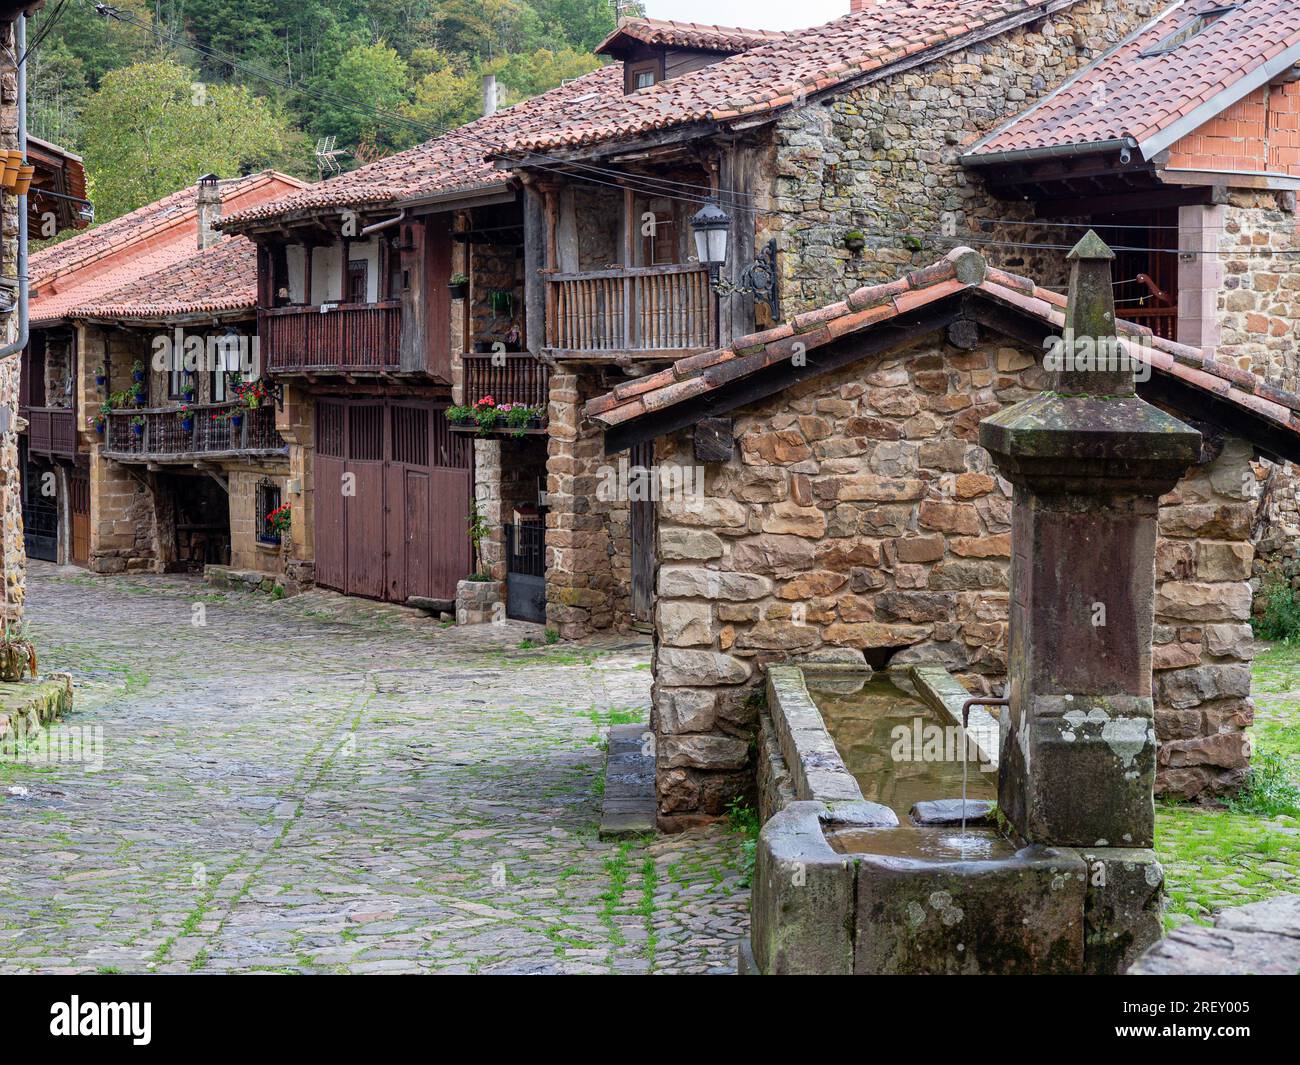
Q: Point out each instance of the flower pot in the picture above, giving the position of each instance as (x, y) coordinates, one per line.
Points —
(99, 428)
(138, 430)
(187, 424)
(137, 375)
(10, 161)
(459, 292)
(100, 379)
(236, 420)
(25, 174)
(140, 398)
(188, 395)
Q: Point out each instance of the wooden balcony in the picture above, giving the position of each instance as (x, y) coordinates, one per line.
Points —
(507, 378)
(348, 338)
(164, 438)
(51, 431)
(1162, 321)
(651, 310)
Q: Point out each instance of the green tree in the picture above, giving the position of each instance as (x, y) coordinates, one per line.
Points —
(152, 128)
(527, 74)
(582, 23)
(369, 78)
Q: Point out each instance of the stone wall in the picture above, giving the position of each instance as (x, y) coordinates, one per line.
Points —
(13, 552)
(859, 521)
(1258, 304)
(246, 551)
(885, 157)
(295, 421)
(585, 536)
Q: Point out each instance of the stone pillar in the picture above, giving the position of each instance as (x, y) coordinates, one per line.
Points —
(487, 493)
(1200, 276)
(296, 422)
(1089, 461)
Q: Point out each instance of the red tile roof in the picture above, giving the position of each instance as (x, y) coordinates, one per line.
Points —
(654, 31)
(84, 268)
(768, 77)
(1139, 93)
(960, 270)
(220, 278)
(451, 163)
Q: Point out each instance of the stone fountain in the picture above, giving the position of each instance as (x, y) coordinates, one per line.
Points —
(1073, 885)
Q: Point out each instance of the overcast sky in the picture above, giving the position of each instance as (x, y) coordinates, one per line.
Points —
(752, 14)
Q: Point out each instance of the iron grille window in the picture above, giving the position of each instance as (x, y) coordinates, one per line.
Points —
(268, 500)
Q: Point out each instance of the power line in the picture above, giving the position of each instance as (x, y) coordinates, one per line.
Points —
(649, 185)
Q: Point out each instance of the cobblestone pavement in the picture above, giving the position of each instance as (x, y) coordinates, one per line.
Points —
(326, 785)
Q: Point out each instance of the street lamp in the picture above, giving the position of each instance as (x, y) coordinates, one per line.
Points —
(712, 225)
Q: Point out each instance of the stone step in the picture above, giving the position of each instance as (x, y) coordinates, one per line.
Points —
(629, 804)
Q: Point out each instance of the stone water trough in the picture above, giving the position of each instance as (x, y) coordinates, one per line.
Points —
(847, 884)
(1065, 880)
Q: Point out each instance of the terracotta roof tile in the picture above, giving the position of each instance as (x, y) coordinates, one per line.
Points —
(1135, 92)
(696, 375)
(704, 37)
(220, 278)
(455, 161)
(84, 268)
(764, 78)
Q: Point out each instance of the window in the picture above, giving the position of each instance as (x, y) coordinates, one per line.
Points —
(641, 75)
(268, 501)
(358, 281)
(659, 245)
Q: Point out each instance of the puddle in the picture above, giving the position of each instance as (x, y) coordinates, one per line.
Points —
(924, 844)
(899, 752)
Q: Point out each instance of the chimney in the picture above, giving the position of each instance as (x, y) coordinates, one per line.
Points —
(856, 7)
(209, 210)
(489, 94)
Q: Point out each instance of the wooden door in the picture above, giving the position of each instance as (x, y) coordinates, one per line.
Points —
(643, 541)
(79, 504)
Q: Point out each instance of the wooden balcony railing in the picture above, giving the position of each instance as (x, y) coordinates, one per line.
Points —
(1162, 321)
(507, 378)
(51, 431)
(164, 435)
(363, 337)
(637, 309)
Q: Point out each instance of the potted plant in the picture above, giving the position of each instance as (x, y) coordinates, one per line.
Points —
(520, 416)
(485, 414)
(137, 370)
(101, 419)
(459, 286)
(137, 425)
(236, 418)
(278, 522)
(100, 377)
(460, 415)
(479, 598)
(187, 389)
(187, 417)
(855, 240)
(17, 654)
(139, 395)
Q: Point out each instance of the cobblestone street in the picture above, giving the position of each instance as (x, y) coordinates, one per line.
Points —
(328, 785)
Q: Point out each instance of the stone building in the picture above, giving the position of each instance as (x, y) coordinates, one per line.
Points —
(56, 183)
(856, 518)
(186, 466)
(100, 300)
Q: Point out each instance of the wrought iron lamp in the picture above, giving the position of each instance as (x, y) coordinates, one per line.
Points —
(712, 226)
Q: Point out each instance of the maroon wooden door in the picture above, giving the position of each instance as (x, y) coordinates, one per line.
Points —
(392, 500)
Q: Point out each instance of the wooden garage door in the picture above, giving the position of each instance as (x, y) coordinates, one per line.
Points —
(392, 500)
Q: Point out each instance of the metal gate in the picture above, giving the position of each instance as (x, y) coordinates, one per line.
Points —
(40, 510)
(526, 571)
(392, 491)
